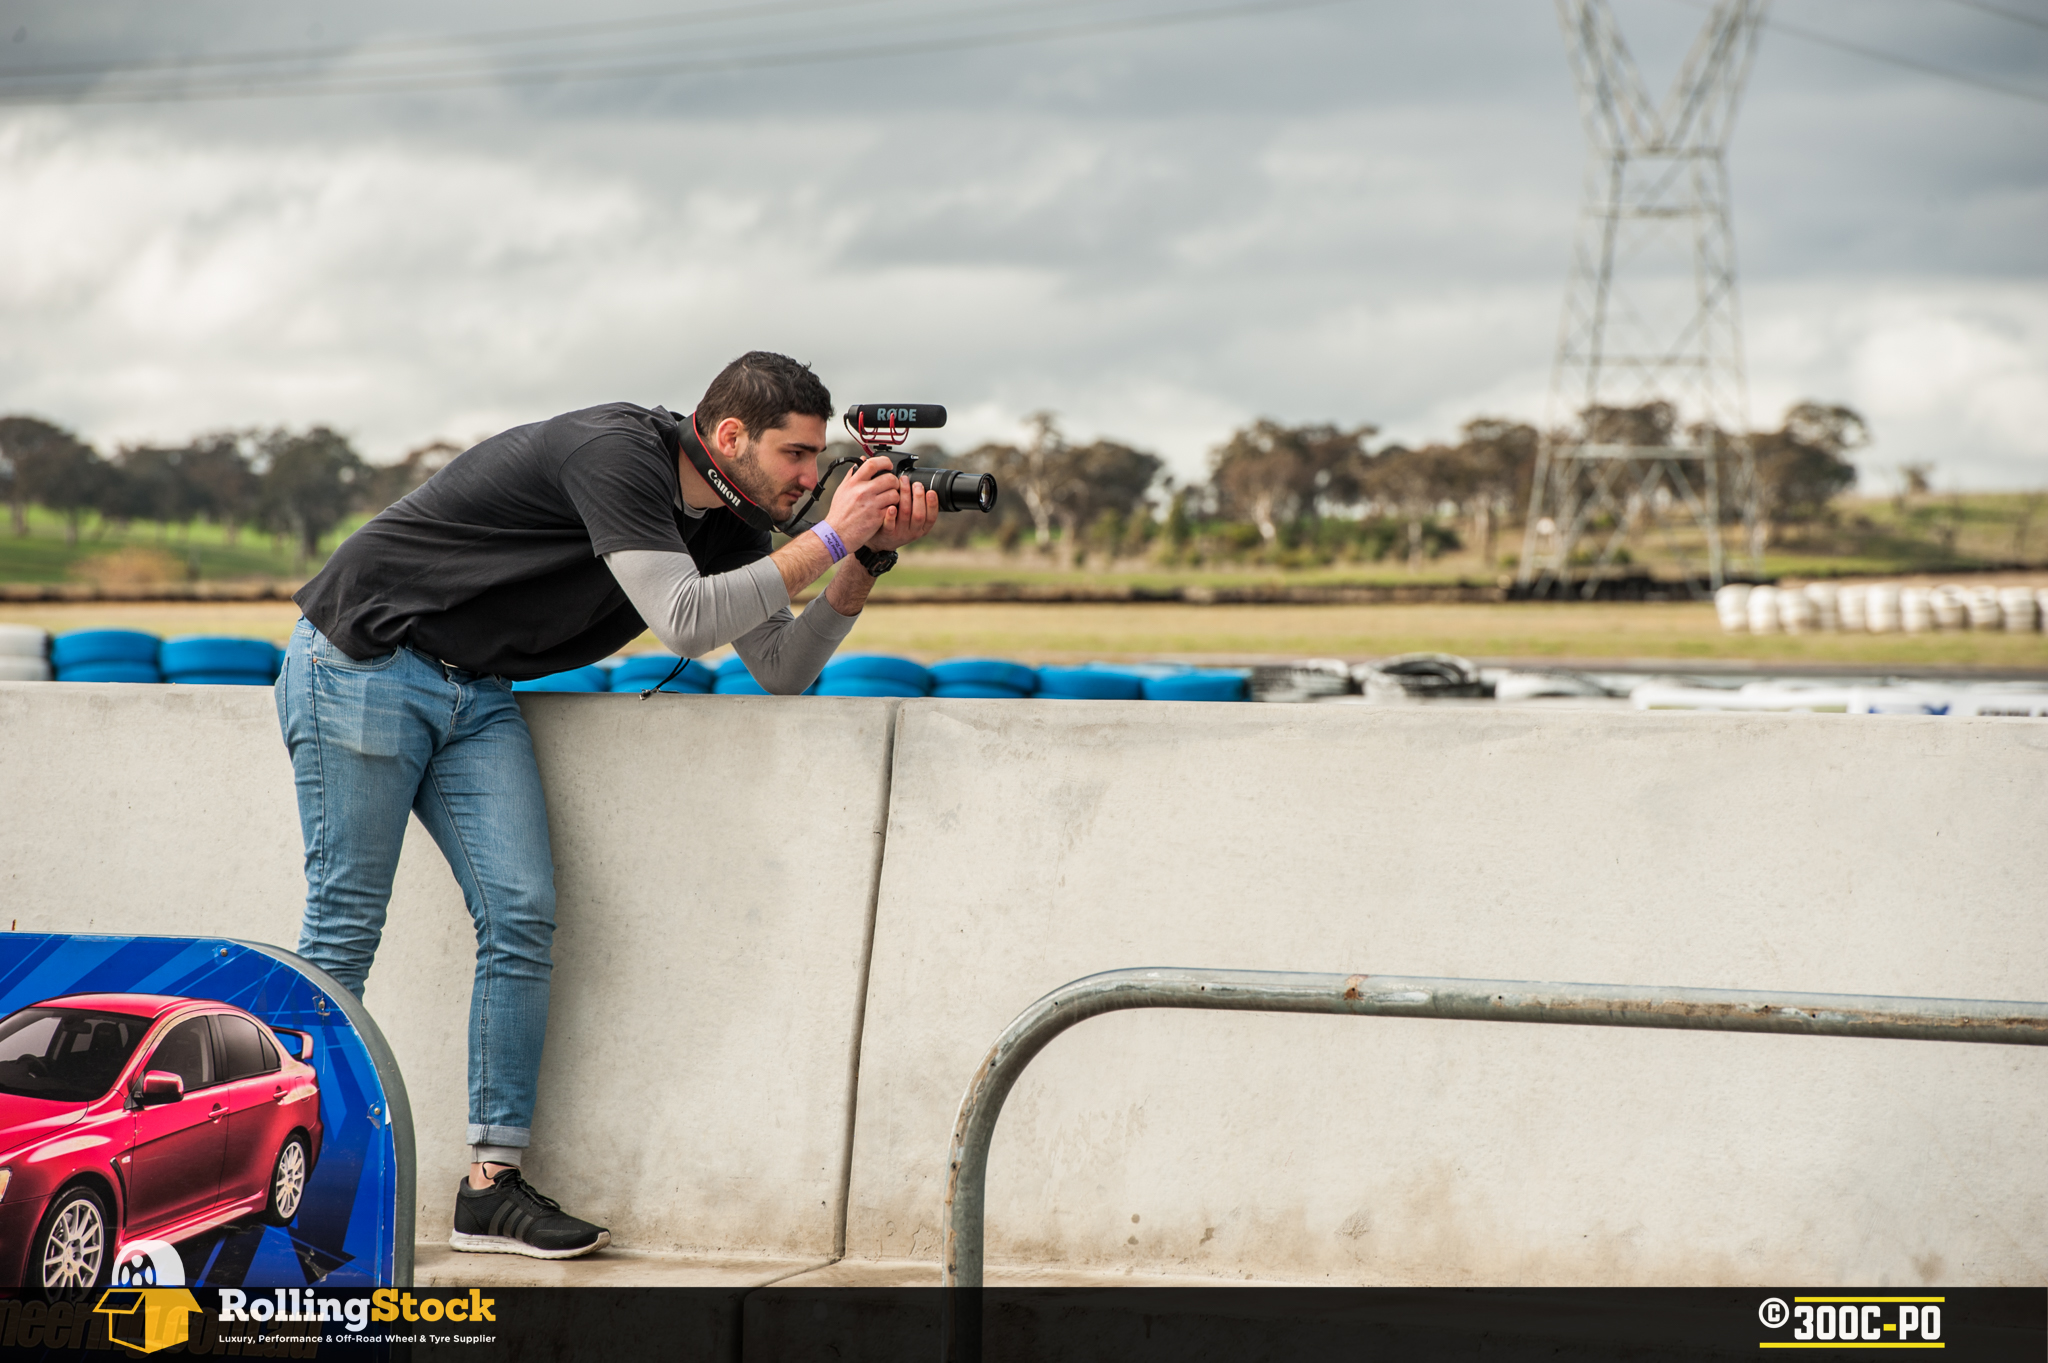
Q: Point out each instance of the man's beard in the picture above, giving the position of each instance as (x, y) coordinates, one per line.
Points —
(745, 470)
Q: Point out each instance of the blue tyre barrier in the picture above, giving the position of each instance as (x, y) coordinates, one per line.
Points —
(1087, 683)
(878, 667)
(110, 672)
(1196, 686)
(220, 679)
(735, 680)
(1010, 677)
(575, 679)
(642, 672)
(732, 679)
(184, 659)
(975, 691)
(85, 647)
(866, 686)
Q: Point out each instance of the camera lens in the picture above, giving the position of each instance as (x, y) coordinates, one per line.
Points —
(958, 490)
(974, 492)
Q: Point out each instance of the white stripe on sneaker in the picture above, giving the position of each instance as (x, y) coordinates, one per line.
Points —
(501, 1244)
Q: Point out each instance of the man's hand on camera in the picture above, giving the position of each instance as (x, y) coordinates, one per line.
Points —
(865, 502)
(915, 513)
(874, 509)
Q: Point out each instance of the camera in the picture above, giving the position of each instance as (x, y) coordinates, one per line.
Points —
(879, 428)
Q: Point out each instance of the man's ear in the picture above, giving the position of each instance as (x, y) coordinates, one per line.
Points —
(729, 436)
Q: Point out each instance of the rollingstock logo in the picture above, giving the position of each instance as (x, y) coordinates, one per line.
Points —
(1852, 1322)
(386, 1304)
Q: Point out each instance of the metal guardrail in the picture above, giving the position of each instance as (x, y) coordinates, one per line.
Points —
(1585, 1005)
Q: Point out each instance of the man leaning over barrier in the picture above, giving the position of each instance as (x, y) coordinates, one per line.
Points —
(546, 548)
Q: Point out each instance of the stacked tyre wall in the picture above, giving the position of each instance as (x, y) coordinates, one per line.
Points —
(790, 928)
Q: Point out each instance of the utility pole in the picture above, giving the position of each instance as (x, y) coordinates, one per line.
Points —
(1637, 331)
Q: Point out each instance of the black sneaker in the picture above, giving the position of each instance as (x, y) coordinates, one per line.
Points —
(509, 1217)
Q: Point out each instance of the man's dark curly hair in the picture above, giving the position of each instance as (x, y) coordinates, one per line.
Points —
(763, 390)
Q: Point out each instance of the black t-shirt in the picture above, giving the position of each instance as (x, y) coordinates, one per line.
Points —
(495, 563)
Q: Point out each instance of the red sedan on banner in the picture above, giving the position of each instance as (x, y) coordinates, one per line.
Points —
(141, 1116)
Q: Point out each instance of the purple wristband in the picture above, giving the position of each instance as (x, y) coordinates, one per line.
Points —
(834, 545)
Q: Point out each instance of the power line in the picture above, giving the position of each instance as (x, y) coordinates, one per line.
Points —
(492, 37)
(2015, 15)
(450, 79)
(1910, 64)
(1892, 58)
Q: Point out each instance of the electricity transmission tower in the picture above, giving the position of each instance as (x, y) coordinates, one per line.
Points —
(1639, 327)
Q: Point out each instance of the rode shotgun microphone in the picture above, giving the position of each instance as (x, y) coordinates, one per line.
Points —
(872, 423)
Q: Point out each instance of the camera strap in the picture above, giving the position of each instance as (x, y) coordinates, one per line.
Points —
(736, 501)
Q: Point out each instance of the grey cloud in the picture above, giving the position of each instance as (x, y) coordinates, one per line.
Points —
(1355, 213)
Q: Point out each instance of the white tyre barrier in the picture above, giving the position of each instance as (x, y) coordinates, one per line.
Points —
(1983, 607)
(24, 641)
(1880, 608)
(1853, 602)
(1763, 610)
(2022, 614)
(1796, 613)
(1731, 603)
(1916, 610)
(15, 667)
(1950, 611)
(1827, 605)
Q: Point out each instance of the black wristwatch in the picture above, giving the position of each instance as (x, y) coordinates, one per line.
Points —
(875, 563)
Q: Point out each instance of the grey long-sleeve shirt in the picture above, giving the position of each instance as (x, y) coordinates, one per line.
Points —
(749, 608)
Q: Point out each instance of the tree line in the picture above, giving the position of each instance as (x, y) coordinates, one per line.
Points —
(298, 485)
(1317, 493)
(1288, 495)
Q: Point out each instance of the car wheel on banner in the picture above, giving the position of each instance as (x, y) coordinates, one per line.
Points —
(287, 1181)
(70, 1252)
(136, 1042)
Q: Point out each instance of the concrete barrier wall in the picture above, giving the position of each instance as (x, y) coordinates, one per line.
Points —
(715, 865)
(1031, 843)
(711, 956)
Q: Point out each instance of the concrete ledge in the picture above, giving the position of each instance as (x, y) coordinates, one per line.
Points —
(715, 861)
(436, 1265)
(1817, 853)
(714, 997)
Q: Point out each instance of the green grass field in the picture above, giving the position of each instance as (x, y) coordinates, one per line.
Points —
(146, 551)
(1863, 537)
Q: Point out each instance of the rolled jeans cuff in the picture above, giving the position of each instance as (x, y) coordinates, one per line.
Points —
(517, 1136)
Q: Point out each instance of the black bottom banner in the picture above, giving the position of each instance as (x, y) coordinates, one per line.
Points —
(1116, 1325)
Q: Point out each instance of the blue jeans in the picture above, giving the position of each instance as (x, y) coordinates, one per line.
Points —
(373, 741)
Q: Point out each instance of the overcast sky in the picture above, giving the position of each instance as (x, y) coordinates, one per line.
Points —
(1358, 211)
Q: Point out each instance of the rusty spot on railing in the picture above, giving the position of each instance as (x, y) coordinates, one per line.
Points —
(1351, 986)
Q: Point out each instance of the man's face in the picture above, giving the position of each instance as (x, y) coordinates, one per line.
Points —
(777, 468)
